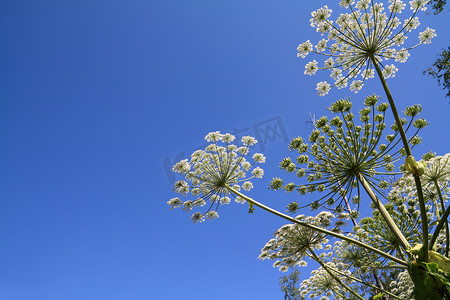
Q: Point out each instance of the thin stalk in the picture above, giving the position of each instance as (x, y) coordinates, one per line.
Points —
(386, 216)
(314, 256)
(319, 229)
(423, 212)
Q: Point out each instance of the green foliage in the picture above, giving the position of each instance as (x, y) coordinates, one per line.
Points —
(430, 283)
(438, 5)
(290, 285)
(441, 70)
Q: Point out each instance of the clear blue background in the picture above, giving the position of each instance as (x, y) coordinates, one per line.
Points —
(96, 95)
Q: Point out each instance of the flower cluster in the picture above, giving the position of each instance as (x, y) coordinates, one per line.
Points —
(293, 242)
(321, 285)
(211, 172)
(402, 286)
(366, 35)
(341, 151)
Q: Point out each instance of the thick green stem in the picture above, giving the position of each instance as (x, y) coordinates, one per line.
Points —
(386, 216)
(423, 212)
(441, 223)
(314, 256)
(319, 229)
(392, 105)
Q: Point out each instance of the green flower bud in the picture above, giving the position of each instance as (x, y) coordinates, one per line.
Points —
(382, 107)
(276, 184)
(295, 143)
(412, 111)
(300, 172)
(371, 100)
(302, 190)
(302, 159)
(291, 168)
(382, 147)
(285, 163)
(289, 187)
(315, 205)
(420, 123)
(365, 111)
(416, 140)
(349, 117)
(314, 135)
(292, 207)
(342, 105)
(379, 118)
(390, 138)
(428, 156)
(321, 122)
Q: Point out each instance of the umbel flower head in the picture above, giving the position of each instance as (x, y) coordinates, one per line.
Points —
(293, 242)
(365, 34)
(210, 172)
(341, 151)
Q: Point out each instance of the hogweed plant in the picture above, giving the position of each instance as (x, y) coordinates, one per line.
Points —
(348, 161)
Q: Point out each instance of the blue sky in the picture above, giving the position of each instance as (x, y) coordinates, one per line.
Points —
(97, 97)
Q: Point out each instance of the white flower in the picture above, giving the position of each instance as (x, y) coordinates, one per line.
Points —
(247, 186)
(258, 157)
(228, 138)
(323, 88)
(240, 200)
(211, 215)
(213, 136)
(188, 205)
(329, 63)
(426, 36)
(248, 141)
(258, 172)
(356, 85)
(418, 4)
(304, 49)
(197, 217)
(182, 166)
(389, 71)
(320, 47)
(211, 173)
(368, 73)
(174, 202)
(360, 39)
(225, 200)
(402, 56)
(311, 68)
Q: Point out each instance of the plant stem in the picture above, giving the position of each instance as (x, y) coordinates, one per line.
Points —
(441, 223)
(423, 212)
(386, 216)
(319, 229)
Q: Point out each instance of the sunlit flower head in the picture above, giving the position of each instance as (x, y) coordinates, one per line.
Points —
(341, 150)
(210, 172)
(321, 285)
(293, 242)
(365, 34)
